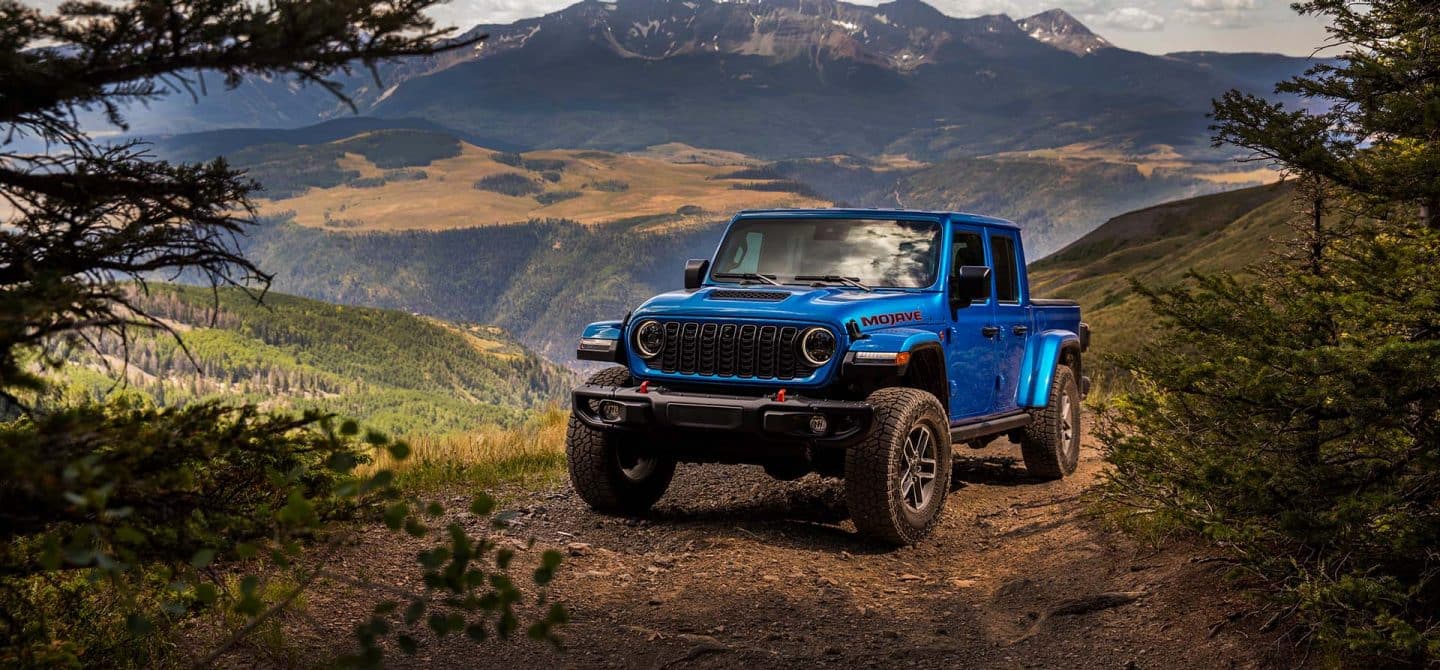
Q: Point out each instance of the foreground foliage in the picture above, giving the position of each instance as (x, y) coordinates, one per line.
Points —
(1293, 418)
(121, 519)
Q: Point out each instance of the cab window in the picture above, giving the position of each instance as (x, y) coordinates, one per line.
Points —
(966, 249)
(1006, 270)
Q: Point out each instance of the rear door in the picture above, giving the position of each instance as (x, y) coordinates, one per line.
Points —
(970, 352)
(1010, 315)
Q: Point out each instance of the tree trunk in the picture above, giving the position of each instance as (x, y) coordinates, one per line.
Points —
(1430, 212)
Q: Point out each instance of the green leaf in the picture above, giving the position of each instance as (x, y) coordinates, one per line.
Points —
(414, 612)
(482, 505)
(138, 625)
(399, 450)
(202, 558)
(407, 644)
(395, 515)
(206, 593)
(349, 428)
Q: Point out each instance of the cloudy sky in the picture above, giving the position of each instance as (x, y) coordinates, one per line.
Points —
(1154, 26)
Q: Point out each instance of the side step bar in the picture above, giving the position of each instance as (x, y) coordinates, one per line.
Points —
(1003, 424)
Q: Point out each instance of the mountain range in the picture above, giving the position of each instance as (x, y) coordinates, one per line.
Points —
(775, 79)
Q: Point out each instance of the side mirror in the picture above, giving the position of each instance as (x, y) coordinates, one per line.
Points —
(968, 284)
(695, 270)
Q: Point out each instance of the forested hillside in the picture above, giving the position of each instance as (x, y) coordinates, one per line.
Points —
(541, 281)
(393, 371)
(1158, 245)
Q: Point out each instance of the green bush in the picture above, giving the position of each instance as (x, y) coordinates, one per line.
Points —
(1294, 420)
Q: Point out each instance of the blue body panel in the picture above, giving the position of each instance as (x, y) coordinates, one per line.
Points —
(988, 374)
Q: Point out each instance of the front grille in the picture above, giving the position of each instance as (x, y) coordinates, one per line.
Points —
(732, 350)
(733, 294)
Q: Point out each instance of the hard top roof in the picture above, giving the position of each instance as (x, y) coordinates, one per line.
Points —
(848, 213)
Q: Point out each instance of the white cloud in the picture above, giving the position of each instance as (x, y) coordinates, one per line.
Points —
(1220, 5)
(1130, 18)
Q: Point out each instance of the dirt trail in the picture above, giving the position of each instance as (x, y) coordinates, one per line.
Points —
(737, 570)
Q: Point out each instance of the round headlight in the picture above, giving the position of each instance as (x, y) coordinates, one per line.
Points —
(817, 346)
(649, 339)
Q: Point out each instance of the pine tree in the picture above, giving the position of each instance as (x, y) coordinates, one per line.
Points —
(1293, 417)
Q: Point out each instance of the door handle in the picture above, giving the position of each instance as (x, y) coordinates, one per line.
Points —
(990, 331)
(1020, 330)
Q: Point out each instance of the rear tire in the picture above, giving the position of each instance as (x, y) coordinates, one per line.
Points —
(897, 478)
(1051, 443)
(610, 469)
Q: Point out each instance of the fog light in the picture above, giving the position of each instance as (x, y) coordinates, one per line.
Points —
(611, 411)
(819, 425)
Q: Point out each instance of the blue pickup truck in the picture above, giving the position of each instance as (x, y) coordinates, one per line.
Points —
(860, 344)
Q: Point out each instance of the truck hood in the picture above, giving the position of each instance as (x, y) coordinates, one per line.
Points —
(830, 305)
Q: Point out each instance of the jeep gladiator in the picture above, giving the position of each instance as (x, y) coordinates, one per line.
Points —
(860, 344)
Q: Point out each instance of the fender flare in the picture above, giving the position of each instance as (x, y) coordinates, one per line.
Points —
(1037, 371)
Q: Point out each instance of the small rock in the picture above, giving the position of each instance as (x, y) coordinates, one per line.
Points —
(654, 601)
(579, 549)
(770, 578)
(962, 583)
(907, 577)
(845, 556)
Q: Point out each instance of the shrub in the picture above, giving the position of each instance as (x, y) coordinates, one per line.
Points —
(552, 197)
(782, 186)
(609, 186)
(508, 183)
(542, 164)
(511, 158)
(761, 172)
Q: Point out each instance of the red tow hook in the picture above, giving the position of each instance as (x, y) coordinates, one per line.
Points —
(644, 387)
(780, 397)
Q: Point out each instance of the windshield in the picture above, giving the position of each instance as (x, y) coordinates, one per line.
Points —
(876, 253)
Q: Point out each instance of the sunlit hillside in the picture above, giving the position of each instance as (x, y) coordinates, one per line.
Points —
(379, 181)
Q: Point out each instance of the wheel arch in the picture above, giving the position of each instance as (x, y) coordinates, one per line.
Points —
(1045, 352)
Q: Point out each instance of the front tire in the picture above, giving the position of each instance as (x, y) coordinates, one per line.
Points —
(611, 470)
(897, 478)
(1051, 443)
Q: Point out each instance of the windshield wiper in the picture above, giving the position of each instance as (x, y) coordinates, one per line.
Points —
(848, 281)
(768, 279)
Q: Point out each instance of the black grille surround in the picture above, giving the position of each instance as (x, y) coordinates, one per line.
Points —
(736, 350)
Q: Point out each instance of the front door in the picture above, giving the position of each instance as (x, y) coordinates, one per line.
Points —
(970, 348)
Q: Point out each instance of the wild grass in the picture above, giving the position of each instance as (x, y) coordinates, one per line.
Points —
(530, 456)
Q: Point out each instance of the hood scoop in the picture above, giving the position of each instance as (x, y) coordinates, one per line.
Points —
(734, 294)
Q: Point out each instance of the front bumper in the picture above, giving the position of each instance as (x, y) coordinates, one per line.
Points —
(662, 409)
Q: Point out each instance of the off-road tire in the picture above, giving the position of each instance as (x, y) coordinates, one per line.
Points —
(595, 461)
(874, 468)
(1048, 454)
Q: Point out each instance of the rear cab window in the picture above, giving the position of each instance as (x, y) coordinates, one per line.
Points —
(1006, 270)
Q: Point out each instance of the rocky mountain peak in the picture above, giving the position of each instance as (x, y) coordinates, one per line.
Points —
(1061, 30)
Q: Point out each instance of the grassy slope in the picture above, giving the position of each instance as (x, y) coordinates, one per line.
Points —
(1157, 246)
(418, 180)
(394, 371)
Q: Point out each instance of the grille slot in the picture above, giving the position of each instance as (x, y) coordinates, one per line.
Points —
(732, 350)
(740, 294)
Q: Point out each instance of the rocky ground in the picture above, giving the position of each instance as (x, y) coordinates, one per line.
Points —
(735, 569)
